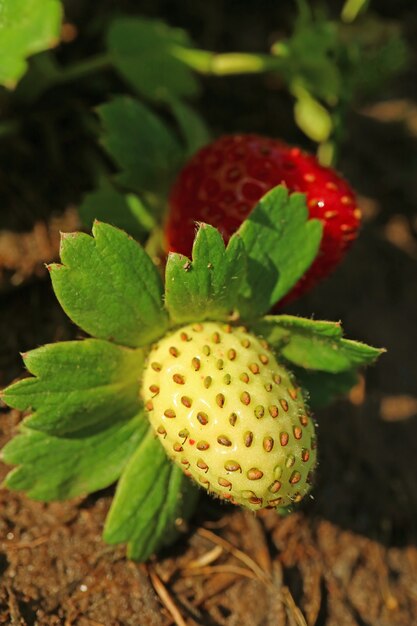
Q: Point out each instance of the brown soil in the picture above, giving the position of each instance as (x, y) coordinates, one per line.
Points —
(348, 557)
(23, 255)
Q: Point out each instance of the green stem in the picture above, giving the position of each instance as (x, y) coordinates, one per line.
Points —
(84, 68)
(227, 63)
(202, 61)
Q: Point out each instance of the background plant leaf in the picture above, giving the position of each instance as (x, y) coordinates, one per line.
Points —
(142, 146)
(126, 211)
(57, 468)
(109, 286)
(281, 243)
(314, 345)
(145, 53)
(151, 495)
(192, 126)
(207, 287)
(372, 51)
(26, 27)
(78, 386)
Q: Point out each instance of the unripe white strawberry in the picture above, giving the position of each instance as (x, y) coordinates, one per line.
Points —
(229, 415)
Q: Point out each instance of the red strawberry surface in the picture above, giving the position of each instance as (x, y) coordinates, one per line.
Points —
(224, 180)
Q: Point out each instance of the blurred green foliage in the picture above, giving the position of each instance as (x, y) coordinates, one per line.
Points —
(327, 65)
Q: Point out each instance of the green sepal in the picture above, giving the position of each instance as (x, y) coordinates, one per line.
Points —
(147, 54)
(151, 496)
(314, 345)
(142, 146)
(57, 468)
(109, 286)
(281, 243)
(78, 385)
(322, 388)
(206, 287)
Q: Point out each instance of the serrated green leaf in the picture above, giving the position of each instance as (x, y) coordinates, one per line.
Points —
(78, 385)
(192, 126)
(323, 388)
(145, 53)
(207, 287)
(151, 495)
(144, 148)
(26, 27)
(126, 211)
(109, 287)
(315, 345)
(56, 468)
(281, 243)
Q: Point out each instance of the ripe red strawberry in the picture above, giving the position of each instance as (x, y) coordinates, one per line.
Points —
(224, 180)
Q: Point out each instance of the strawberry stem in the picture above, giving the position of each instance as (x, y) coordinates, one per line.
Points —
(84, 68)
(207, 62)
